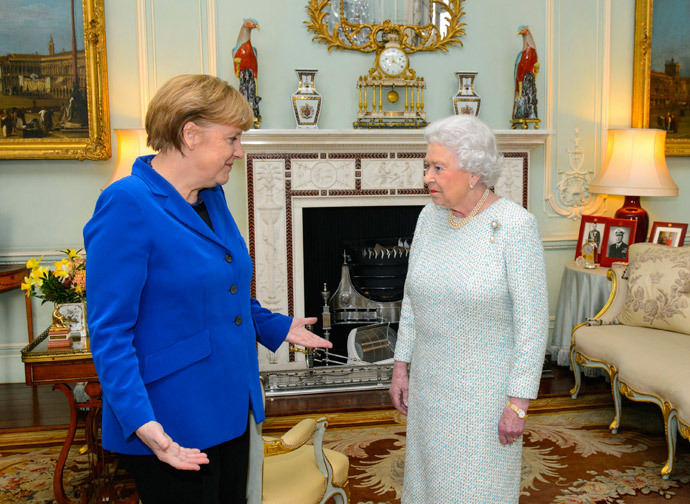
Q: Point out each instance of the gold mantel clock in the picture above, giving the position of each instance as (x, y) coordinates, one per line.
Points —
(392, 77)
(391, 95)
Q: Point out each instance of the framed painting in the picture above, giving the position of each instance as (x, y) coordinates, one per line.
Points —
(671, 234)
(54, 81)
(592, 227)
(620, 233)
(661, 71)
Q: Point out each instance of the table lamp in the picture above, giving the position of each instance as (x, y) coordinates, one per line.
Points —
(131, 143)
(635, 166)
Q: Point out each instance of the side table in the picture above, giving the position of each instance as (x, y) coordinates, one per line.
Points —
(583, 294)
(62, 368)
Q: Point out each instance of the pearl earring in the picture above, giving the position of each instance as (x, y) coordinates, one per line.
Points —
(471, 186)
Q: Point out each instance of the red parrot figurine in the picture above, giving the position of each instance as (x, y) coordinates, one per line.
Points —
(246, 67)
(526, 68)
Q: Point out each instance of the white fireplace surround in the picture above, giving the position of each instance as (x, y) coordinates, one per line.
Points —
(290, 170)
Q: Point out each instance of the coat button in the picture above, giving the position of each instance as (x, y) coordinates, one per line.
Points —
(233, 289)
(238, 320)
(228, 258)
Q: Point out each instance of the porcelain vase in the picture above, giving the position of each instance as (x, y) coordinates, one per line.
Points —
(306, 102)
(466, 101)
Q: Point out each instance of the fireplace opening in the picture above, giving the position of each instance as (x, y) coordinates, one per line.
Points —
(329, 233)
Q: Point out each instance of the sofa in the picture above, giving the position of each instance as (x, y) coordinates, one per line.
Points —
(641, 338)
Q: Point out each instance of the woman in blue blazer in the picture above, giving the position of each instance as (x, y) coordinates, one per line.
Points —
(172, 322)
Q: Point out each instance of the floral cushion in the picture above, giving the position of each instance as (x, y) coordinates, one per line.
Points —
(658, 288)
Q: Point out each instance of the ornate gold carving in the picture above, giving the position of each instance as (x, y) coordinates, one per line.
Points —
(97, 145)
(683, 429)
(344, 33)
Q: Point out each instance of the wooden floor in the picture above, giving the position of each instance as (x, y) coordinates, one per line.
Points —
(24, 407)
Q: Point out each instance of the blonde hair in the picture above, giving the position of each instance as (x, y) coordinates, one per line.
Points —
(202, 99)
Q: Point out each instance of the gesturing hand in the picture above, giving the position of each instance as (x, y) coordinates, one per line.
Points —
(298, 334)
(168, 451)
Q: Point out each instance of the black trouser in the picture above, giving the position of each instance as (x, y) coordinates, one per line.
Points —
(222, 480)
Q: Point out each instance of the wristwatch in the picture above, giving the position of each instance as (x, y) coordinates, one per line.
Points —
(520, 412)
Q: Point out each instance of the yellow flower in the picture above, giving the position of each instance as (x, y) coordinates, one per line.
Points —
(72, 254)
(33, 263)
(78, 288)
(62, 268)
(27, 285)
(38, 274)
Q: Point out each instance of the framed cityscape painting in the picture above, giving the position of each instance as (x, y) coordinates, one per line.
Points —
(54, 81)
(661, 71)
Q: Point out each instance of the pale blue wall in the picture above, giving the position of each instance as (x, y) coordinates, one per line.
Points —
(44, 204)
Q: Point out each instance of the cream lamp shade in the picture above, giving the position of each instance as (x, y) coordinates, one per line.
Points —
(131, 143)
(635, 166)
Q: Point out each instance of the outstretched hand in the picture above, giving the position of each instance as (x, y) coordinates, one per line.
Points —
(298, 334)
(168, 451)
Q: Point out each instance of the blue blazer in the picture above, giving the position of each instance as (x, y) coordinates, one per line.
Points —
(173, 326)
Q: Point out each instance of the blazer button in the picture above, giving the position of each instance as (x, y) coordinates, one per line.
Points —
(233, 289)
(228, 258)
(238, 320)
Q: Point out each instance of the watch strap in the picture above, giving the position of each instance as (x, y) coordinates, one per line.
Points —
(520, 412)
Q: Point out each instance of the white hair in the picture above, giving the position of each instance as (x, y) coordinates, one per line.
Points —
(472, 143)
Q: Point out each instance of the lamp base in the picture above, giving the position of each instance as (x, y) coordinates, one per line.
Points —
(632, 210)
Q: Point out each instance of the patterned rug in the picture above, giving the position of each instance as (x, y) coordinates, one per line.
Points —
(570, 457)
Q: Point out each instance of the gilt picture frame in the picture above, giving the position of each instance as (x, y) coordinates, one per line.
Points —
(54, 81)
(658, 83)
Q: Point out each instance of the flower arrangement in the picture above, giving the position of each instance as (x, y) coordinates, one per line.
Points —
(65, 284)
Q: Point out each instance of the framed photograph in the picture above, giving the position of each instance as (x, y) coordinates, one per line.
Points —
(661, 61)
(594, 227)
(671, 234)
(54, 81)
(620, 233)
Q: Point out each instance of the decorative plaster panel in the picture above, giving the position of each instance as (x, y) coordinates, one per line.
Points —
(512, 182)
(392, 173)
(269, 232)
(323, 174)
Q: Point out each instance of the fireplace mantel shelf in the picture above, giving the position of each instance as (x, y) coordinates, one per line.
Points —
(286, 140)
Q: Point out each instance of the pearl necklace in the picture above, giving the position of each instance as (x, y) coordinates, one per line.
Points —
(458, 223)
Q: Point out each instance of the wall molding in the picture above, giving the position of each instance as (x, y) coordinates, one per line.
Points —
(211, 37)
(292, 140)
(559, 181)
(11, 350)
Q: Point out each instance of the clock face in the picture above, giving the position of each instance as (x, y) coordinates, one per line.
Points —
(392, 61)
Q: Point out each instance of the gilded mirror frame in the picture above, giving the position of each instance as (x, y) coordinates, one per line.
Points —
(429, 34)
(96, 145)
(642, 68)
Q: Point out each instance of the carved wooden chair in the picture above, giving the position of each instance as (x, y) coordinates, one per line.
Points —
(287, 470)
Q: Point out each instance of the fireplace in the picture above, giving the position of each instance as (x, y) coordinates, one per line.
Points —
(334, 235)
(309, 192)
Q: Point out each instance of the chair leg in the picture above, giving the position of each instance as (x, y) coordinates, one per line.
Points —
(576, 373)
(615, 392)
(339, 496)
(671, 428)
